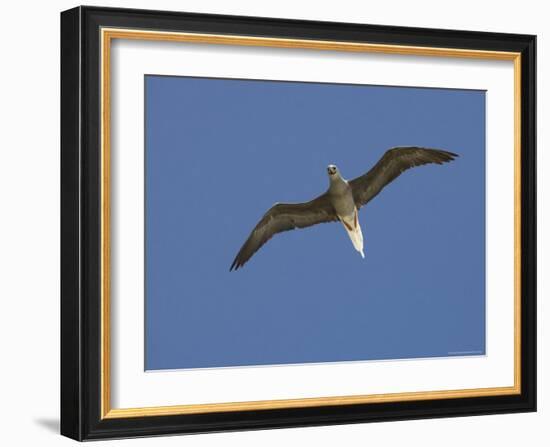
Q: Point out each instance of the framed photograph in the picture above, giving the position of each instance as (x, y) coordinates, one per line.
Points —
(278, 223)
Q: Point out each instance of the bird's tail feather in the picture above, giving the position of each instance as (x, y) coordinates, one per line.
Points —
(356, 236)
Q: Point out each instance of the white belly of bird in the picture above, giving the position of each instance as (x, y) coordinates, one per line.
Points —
(351, 224)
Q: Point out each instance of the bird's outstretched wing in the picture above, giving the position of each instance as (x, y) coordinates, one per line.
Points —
(284, 217)
(390, 166)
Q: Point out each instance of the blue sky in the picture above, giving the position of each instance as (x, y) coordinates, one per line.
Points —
(220, 152)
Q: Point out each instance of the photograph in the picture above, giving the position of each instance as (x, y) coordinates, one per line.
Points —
(378, 283)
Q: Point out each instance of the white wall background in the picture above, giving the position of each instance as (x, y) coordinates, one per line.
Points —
(29, 224)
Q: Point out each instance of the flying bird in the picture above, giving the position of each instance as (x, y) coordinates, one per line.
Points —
(341, 202)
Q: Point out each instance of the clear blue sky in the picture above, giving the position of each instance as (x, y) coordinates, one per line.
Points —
(220, 152)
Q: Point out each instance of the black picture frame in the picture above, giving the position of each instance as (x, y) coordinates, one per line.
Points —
(81, 224)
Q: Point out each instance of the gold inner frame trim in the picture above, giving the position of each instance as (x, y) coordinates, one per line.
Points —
(107, 35)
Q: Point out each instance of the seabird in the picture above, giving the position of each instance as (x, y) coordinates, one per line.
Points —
(341, 201)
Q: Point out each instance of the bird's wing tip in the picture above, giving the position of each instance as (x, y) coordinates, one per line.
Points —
(236, 265)
(452, 154)
(446, 156)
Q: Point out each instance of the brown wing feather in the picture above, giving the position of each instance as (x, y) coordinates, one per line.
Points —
(392, 164)
(284, 217)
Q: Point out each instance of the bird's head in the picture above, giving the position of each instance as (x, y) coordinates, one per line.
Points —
(332, 170)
